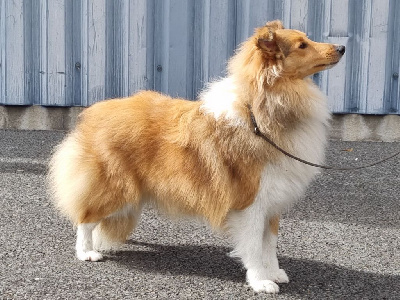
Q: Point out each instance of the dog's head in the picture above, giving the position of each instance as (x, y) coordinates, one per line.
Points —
(292, 53)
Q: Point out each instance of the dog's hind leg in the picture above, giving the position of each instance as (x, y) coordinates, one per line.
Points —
(270, 259)
(105, 232)
(84, 242)
(115, 228)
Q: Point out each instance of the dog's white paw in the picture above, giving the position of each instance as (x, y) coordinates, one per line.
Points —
(258, 280)
(278, 276)
(266, 285)
(89, 256)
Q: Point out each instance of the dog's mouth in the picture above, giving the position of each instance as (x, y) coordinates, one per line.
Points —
(327, 65)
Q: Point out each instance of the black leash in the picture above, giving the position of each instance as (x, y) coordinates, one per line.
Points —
(264, 137)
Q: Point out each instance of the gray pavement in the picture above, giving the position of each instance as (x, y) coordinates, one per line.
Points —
(340, 242)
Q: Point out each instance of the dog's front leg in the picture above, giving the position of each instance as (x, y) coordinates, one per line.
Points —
(247, 229)
(270, 259)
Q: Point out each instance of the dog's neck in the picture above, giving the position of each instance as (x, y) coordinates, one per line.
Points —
(283, 104)
(221, 100)
(276, 106)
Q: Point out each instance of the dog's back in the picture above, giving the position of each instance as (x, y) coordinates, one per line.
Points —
(148, 147)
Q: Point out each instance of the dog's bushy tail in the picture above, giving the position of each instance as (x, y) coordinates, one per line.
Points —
(115, 229)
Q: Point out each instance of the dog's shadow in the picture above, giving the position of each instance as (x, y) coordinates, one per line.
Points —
(308, 278)
(205, 261)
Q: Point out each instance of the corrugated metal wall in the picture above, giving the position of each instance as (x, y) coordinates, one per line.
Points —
(77, 52)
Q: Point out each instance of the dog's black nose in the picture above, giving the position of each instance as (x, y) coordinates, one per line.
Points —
(341, 49)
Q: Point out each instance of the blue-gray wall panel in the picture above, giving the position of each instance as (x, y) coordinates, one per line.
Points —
(77, 52)
(31, 52)
(393, 59)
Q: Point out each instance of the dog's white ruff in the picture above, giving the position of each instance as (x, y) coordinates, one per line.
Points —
(218, 99)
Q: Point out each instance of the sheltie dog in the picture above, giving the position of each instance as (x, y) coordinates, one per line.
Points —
(202, 158)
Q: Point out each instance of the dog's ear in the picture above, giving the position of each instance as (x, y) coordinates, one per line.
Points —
(267, 37)
(274, 46)
(268, 44)
(274, 25)
(269, 40)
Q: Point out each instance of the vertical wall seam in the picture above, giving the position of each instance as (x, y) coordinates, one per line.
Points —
(207, 42)
(128, 60)
(43, 69)
(396, 68)
(349, 102)
(166, 45)
(68, 56)
(235, 27)
(368, 57)
(316, 16)
(325, 33)
(47, 50)
(150, 49)
(3, 82)
(85, 53)
(158, 43)
(111, 78)
(27, 40)
(190, 84)
(391, 92)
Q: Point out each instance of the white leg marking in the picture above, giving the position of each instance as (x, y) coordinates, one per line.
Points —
(270, 259)
(247, 228)
(84, 243)
(254, 278)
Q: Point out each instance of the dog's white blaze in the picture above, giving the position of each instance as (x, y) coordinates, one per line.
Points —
(219, 98)
(282, 183)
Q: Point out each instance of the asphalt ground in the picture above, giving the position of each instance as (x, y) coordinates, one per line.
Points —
(341, 241)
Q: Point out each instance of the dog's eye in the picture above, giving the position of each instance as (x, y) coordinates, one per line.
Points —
(303, 45)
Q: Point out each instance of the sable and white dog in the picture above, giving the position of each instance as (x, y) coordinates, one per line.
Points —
(202, 158)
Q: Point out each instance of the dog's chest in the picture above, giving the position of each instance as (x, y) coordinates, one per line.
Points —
(285, 180)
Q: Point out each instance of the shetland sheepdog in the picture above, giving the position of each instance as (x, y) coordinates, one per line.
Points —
(202, 158)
